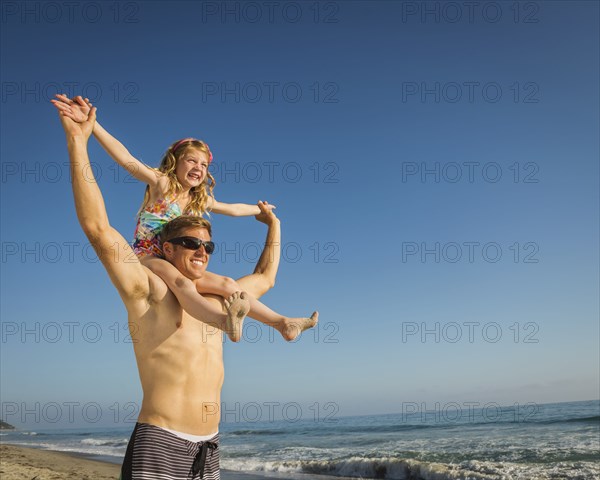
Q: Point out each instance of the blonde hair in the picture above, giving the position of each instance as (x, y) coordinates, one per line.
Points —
(200, 194)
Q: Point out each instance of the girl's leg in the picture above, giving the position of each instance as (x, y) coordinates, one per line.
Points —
(289, 327)
(229, 319)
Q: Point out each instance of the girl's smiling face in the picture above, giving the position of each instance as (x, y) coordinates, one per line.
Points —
(191, 168)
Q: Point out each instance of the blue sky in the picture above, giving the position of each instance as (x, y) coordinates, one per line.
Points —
(432, 174)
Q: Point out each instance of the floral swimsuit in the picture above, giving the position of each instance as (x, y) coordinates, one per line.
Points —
(150, 222)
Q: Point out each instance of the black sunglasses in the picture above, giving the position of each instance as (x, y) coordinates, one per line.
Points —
(193, 243)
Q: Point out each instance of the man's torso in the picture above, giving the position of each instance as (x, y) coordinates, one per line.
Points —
(180, 362)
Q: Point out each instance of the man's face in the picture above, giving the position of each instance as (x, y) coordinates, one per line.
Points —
(191, 263)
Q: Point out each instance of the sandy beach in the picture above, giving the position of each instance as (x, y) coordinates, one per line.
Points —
(20, 463)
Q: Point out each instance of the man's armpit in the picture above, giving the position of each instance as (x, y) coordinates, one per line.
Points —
(157, 288)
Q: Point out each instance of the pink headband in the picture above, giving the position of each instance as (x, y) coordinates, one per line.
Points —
(190, 139)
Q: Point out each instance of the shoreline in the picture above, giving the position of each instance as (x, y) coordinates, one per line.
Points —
(24, 463)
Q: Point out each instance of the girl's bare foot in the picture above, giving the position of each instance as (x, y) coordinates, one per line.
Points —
(236, 308)
(292, 327)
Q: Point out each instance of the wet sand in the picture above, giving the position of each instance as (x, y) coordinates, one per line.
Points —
(21, 463)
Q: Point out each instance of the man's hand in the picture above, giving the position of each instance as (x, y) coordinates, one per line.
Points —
(75, 129)
(77, 109)
(266, 214)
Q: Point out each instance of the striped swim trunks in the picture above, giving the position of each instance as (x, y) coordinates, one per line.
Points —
(157, 454)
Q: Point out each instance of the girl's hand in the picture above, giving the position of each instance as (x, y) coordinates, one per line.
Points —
(76, 109)
(78, 129)
(266, 214)
(266, 205)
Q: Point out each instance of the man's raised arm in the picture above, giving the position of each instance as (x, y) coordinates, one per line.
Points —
(265, 272)
(125, 270)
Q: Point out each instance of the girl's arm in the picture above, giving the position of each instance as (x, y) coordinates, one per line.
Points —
(236, 209)
(121, 155)
(78, 109)
(185, 291)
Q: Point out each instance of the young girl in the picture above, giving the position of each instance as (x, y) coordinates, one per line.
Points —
(177, 187)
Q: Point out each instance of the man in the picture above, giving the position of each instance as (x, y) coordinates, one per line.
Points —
(179, 358)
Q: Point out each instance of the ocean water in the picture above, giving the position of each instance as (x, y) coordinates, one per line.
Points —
(550, 441)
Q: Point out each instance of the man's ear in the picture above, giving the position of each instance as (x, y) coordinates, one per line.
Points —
(167, 249)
